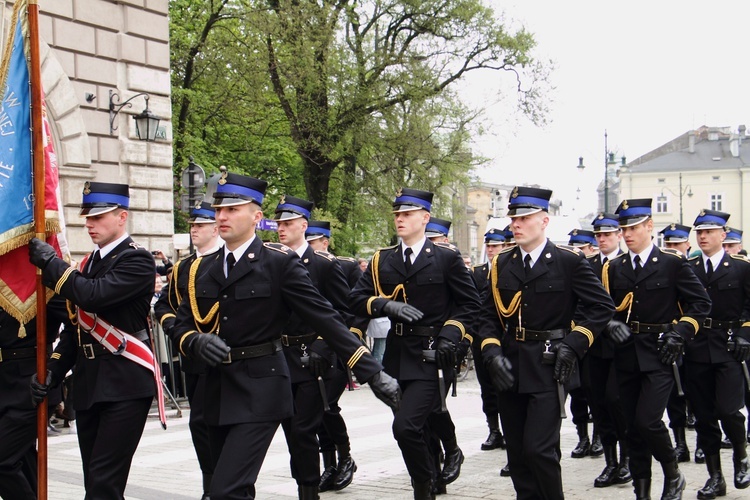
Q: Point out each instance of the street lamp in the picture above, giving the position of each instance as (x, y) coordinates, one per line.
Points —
(146, 123)
(608, 158)
(193, 179)
(682, 192)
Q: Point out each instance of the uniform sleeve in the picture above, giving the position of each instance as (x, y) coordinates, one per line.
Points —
(166, 306)
(465, 300)
(594, 308)
(744, 331)
(335, 289)
(694, 302)
(363, 300)
(312, 307)
(490, 329)
(64, 356)
(121, 283)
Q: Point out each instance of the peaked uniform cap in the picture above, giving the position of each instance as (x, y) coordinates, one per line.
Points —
(711, 219)
(605, 223)
(733, 235)
(494, 237)
(528, 200)
(676, 233)
(203, 213)
(236, 189)
(102, 197)
(509, 237)
(293, 208)
(437, 227)
(581, 237)
(318, 229)
(412, 199)
(632, 212)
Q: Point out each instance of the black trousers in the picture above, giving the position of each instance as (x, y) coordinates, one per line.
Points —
(420, 398)
(108, 435)
(301, 431)
(239, 453)
(604, 400)
(644, 397)
(332, 434)
(532, 433)
(195, 390)
(18, 454)
(487, 390)
(716, 395)
(677, 405)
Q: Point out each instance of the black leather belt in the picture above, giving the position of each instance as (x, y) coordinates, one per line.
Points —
(25, 353)
(638, 327)
(290, 340)
(401, 329)
(94, 350)
(720, 325)
(524, 334)
(253, 351)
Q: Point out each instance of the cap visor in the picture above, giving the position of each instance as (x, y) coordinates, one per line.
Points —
(406, 208)
(633, 221)
(606, 230)
(312, 237)
(91, 212)
(521, 211)
(231, 202)
(287, 216)
(433, 234)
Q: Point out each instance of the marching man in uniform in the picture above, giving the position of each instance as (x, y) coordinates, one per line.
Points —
(205, 237)
(114, 375)
(542, 311)
(427, 291)
(239, 300)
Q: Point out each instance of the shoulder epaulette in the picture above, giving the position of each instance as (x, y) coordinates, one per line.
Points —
(672, 251)
(449, 246)
(506, 250)
(740, 257)
(592, 256)
(570, 249)
(346, 259)
(136, 245)
(279, 247)
(694, 257)
(325, 254)
(387, 248)
(479, 266)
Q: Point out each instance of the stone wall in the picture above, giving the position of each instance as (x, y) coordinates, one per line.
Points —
(92, 47)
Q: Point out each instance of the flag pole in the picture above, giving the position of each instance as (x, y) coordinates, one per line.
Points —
(37, 147)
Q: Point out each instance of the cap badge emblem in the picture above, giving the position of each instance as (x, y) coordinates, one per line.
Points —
(399, 192)
(673, 227)
(514, 194)
(223, 179)
(87, 188)
(282, 200)
(625, 205)
(703, 213)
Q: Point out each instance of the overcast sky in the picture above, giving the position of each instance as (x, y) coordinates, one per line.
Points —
(646, 71)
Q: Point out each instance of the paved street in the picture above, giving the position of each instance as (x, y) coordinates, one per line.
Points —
(165, 466)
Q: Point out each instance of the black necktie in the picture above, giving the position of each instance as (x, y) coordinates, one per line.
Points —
(230, 263)
(638, 267)
(604, 260)
(407, 258)
(709, 269)
(527, 264)
(95, 260)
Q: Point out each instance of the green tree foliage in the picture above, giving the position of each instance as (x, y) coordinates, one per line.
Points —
(340, 101)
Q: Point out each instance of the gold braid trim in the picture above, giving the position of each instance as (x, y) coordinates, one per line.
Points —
(457, 324)
(56, 355)
(746, 323)
(182, 339)
(627, 301)
(376, 283)
(173, 285)
(63, 279)
(585, 331)
(688, 319)
(502, 310)
(72, 312)
(357, 332)
(167, 315)
(361, 351)
(212, 314)
(491, 341)
(468, 336)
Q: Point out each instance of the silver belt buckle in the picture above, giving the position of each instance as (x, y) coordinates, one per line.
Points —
(635, 326)
(228, 361)
(708, 323)
(285, 340)
(88, 351)
(399, 330)
(520, 334)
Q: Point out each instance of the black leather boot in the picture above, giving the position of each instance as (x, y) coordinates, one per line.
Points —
(597, 449)
(423, 490)
(642, 489)
(680, 445)
(674, 481)
(609, 474)
(741, 470)
(454, 457)
(495, 439)
(344, 473)
(329, 471)
(583, 447)
(206, 486)
(308, 492)
(505, 471)
(623, 473)
(715, 486)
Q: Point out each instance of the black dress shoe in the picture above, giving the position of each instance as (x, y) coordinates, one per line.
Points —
(344, 473)
(452, 466)
(700, 457)
(742, 473)
(494, 440)
(505, 471)
(582, 449)
(327, 478)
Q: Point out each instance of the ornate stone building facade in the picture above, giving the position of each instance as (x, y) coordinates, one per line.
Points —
(89, 48)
